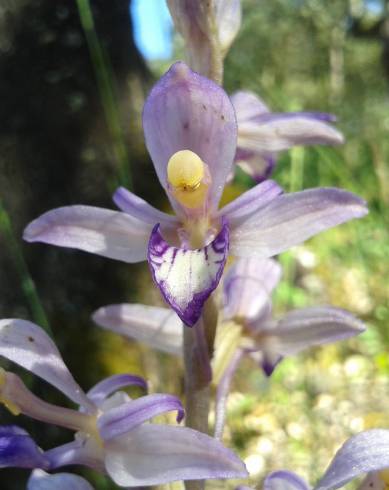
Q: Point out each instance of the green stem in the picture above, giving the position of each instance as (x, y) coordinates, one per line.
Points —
(28, 286)
(104, 77)
(198, 349)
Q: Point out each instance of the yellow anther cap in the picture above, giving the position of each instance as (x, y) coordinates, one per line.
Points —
(185, 170)
(186, 174)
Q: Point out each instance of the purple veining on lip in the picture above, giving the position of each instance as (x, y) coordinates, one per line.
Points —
(214, 254)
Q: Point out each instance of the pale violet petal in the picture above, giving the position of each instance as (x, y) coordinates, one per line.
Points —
(186, 278)
(271, 133)
(247, 106)
(157, 327)
(29, 346)
(228, 16)
(363, 453)
(138, 208)
(109, 385)
(100, 231)
(250, 202)
(259, 166)
(124, 418)
(307, 327)
(40, 480)
(248, 286)
(156, 454)
(186, 111)
(291, 219)
(84, 450)
(284, 480)
(18, 449)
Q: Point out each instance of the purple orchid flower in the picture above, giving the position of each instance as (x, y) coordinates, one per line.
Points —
(262, 134)
(190, 131)
(111, 433)
(366, 452)
(246, 324)
(208, 28)
(40, 480)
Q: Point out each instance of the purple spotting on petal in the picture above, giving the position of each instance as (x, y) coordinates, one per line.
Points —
(186, 278)
(17, 449)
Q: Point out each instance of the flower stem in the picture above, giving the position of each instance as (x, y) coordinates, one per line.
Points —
(198, 349)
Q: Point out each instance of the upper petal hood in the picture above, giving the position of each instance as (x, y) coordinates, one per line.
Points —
(186, 111)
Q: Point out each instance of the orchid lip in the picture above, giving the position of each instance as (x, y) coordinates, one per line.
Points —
(186, 278)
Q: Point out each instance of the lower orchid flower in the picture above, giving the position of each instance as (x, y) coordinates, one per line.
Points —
(246, 328)
(247, 324)
(366, 452)
(191, 132)
(110, 430)
(262, 134)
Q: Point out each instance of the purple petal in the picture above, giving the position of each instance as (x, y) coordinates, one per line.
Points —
(291, 219)
(126, 417)
(206, 31)
(247, 289)
(186, 278)
(40, 480)
(186, 111)
(157, 454)
(363, 453)
(284, 480)
(228, 18)
(247, 106)
(269, 361)
(274, 132)
(138, 208)
(17, 449)
(250, 202)
(109, 385)
(100, 231)
(85, 451)
(29, 346)
(159, 328)
(307, 327)
(260, 167)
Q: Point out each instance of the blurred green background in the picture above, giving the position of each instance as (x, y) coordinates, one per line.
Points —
(70, 132)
